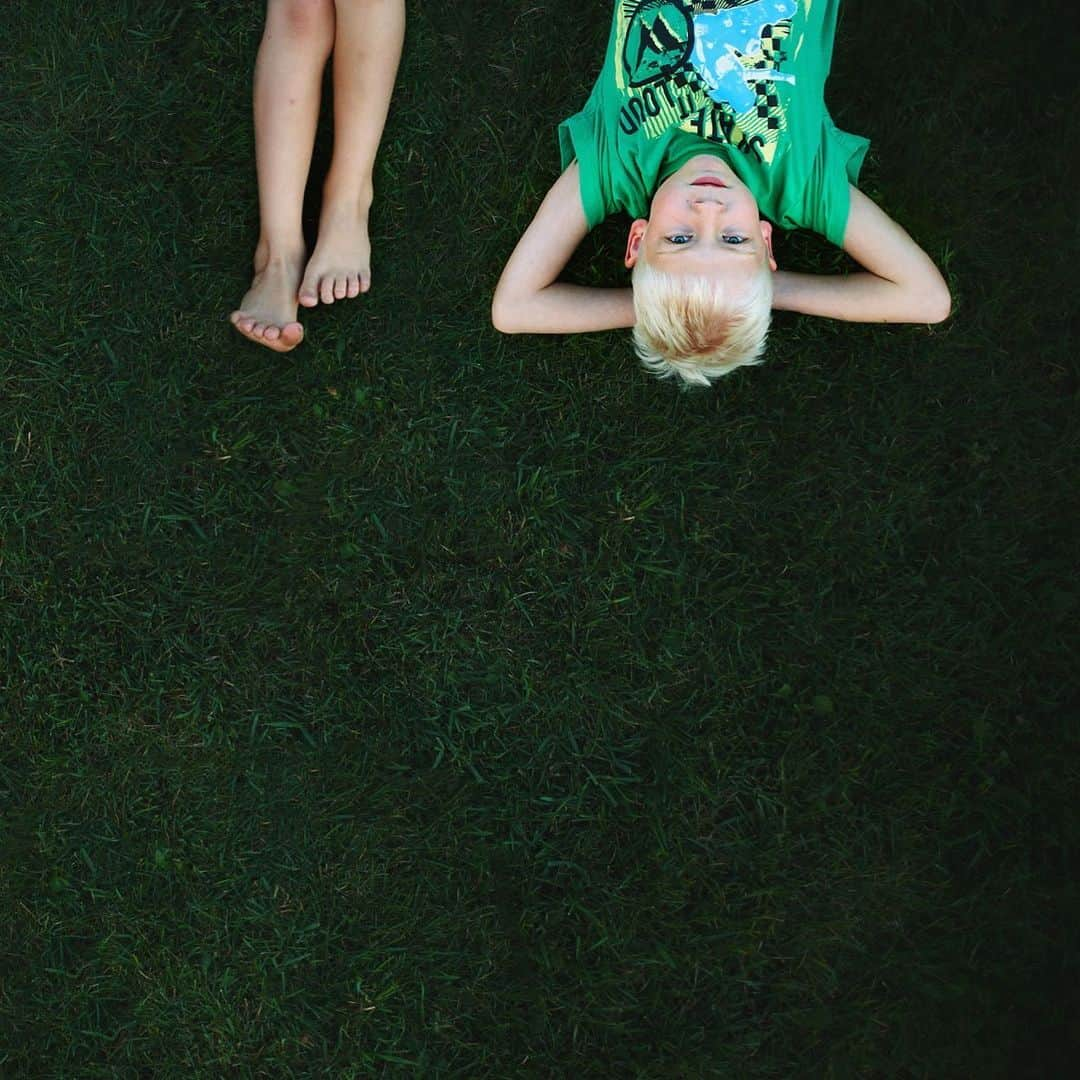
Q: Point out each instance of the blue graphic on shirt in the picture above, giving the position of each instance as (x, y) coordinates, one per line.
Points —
(723, 38)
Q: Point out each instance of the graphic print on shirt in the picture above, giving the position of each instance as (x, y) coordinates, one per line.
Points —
(708, 66)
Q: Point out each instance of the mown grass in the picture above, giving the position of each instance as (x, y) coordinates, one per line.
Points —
(434, 703)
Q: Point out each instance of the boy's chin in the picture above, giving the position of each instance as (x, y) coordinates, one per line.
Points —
(705, 161)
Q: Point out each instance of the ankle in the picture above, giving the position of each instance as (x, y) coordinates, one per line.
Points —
(348, 196)
(267, 254)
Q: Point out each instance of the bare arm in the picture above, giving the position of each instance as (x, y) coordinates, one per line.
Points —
(898, 281)
(529, 299)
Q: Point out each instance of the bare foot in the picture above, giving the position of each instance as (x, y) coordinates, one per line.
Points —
(340, 265)
(267, 314)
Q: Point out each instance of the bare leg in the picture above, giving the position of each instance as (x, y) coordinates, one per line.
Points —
(297, 40)
(367, 47)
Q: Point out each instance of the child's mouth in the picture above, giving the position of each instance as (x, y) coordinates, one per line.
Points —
(708, 181)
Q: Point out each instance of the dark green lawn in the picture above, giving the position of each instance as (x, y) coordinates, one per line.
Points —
(434, 703)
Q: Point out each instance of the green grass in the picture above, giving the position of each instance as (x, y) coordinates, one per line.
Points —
(433, 703)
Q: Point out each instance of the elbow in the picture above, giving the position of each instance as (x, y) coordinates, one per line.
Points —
(937, 305)
(503, 316)
(500, 318)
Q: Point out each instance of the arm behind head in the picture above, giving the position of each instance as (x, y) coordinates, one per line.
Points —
(529, 299)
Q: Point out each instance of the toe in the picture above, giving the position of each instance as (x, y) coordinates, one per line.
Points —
(291, 335)
(309, 292)
(341, 287)
(272, 333)
(365, 281)
(354, 286)
(326, 290)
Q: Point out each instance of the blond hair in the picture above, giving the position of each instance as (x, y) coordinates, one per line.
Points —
(696, 328)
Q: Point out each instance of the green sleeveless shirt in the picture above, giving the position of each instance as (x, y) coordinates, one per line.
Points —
(743, 79)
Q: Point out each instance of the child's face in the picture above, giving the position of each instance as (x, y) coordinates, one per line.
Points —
(703, 221)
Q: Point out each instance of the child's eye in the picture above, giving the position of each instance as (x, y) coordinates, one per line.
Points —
(734, 239)
(681, 238)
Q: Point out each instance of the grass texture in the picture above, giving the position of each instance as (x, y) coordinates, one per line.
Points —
(433, 703)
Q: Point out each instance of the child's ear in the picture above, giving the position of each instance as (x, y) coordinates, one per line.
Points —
(633, 241)
(766, 235)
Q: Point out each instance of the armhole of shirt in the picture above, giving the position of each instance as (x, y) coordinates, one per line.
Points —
(836, 166)
(577, 142)
(844, 155)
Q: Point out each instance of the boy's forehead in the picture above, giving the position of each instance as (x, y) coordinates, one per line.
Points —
(729, 269)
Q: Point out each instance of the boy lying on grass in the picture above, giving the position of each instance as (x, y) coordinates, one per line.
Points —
(365, 37)
(707, 116)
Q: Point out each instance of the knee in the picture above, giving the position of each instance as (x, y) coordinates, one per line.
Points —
(308, 18)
